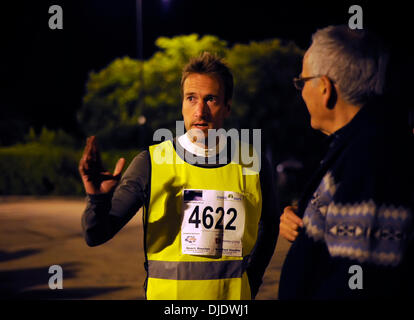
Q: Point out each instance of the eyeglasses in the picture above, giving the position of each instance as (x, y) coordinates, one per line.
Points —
(300, 81)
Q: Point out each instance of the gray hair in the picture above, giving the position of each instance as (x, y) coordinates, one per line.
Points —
(355, 60)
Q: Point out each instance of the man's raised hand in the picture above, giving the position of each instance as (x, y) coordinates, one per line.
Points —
(95, 178)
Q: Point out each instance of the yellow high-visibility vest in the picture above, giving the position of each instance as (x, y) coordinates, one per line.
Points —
(173, 274)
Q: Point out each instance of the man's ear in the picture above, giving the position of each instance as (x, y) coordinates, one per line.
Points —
(328, 91)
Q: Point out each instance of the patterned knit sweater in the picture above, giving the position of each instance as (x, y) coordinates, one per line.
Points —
(357, 210)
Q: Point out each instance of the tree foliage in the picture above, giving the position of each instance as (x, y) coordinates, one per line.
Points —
(111, 96)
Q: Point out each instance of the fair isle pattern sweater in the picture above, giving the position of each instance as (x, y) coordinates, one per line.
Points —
(365, 231)
(357, 210)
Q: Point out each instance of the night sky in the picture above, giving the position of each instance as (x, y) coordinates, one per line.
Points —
(44, 71)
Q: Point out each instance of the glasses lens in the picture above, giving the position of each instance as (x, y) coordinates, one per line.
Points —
(298, 83)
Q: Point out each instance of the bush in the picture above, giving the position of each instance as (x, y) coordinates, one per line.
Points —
(36, 169)
(50, 137)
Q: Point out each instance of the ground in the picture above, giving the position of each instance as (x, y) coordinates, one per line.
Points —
(36, 233)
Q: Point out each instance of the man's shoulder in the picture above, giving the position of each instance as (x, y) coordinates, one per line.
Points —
(140, 161)
(377, 144)
(143, 155)
(373, 163)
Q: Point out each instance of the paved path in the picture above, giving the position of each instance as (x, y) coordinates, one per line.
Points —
(38, 233)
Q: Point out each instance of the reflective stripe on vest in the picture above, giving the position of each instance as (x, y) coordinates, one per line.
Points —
(173, 274)
(195, 270)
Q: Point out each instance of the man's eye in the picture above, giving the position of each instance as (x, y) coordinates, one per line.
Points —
(190, 98)
(211, 99)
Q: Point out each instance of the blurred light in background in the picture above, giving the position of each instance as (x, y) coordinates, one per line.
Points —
(142, 120)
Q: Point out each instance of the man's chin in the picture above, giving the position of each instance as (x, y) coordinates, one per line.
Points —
(317, 127)
(197, 134)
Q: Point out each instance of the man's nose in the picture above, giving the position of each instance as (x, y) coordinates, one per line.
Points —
(201, 109)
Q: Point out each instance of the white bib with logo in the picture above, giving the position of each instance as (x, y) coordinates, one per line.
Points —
(213, 223)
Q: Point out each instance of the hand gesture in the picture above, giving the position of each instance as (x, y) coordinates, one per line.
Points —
(289, 223)
(95, 178)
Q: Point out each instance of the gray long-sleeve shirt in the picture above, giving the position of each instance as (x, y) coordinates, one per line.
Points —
(106, 214)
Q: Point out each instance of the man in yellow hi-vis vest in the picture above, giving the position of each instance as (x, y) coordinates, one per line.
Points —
(210, 221)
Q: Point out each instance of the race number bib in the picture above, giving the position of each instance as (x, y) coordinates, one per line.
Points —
(213, 223)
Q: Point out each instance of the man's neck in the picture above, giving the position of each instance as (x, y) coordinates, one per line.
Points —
(344, 113)
(201, 147)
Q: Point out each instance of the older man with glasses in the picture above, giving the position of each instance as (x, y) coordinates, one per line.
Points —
(353, 228)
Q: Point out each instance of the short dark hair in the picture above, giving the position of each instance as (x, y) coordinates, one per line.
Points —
(210, 64)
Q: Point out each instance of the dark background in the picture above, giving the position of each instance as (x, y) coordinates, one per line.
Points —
(44, 71)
